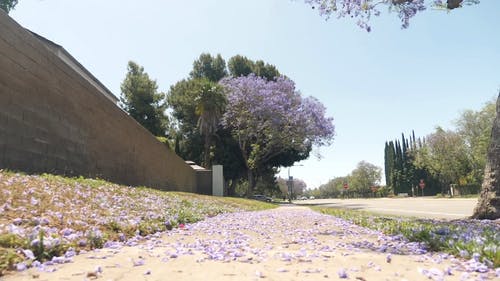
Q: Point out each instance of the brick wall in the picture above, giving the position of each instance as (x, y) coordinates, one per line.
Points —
(53, 120)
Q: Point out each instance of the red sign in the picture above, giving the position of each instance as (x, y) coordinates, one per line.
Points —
(421, 184)
(346, 186)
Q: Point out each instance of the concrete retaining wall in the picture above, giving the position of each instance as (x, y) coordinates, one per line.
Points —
(54, 120)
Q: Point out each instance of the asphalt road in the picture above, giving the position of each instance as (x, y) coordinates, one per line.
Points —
(414, 207)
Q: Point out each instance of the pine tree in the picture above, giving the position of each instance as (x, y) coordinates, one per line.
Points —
(141, 99)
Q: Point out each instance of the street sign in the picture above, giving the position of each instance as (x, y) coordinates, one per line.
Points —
(346, 186)
(421, 184)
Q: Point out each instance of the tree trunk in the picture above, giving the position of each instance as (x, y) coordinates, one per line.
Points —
(488, 206)
(251, 183)
(231, 188)
(206, 152)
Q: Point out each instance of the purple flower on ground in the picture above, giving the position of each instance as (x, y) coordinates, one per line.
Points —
(436, 272)
(82, 243)
(342, 273)
(59, 260)
(21, 266)
(464, 253)
(33, 201)
(70, 253)
(35, 243)
(424, 272)
(139, 262)
(121, 237)
(482, 268)
(29, 254)
(67, 231)
(44, 221)
(476, 256)
(282, 270)
(388, 258)
(259, 274)
(317, 270)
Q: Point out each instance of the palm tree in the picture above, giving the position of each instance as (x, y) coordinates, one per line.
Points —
(210, 104)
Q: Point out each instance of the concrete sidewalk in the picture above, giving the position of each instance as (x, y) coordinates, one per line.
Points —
(288, 243)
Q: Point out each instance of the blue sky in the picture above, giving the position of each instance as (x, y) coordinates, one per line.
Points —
(375, 85)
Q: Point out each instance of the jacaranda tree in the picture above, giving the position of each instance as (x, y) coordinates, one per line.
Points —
(268, 118)
(363, 10)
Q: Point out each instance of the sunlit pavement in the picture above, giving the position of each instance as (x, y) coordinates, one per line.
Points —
(444, 208)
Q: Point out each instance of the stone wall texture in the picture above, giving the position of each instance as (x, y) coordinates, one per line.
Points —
(53, 120)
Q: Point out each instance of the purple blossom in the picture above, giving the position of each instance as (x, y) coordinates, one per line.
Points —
(270, 117)
(282, 270)
(139, 262)
(464, 253)
(67, 231)
(342, 273)
(121, 237)
(363, 10)
(33, 201)
(21, 266)
(29, 254)
(388, 258)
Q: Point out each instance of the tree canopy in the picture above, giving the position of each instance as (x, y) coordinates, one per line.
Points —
(443, 157)
(199, 102)
(360, 182)
(243, 66)
(210, 104)
(365, 176)
(141, 99)
(7, 5)
(363, 11)
(269, 118)
(209, 67)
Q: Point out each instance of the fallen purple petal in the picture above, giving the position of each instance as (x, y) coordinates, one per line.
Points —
(139, 262)
(21, 266)
(342, 273)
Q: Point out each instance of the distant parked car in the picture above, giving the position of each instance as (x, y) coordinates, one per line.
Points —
(311, 197)
(261, 197)
(302, 198)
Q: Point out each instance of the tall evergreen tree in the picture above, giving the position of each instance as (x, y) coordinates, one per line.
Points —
(209, 67)
(242, 66)
(141, 99)
(389, 163)
(7, 5)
